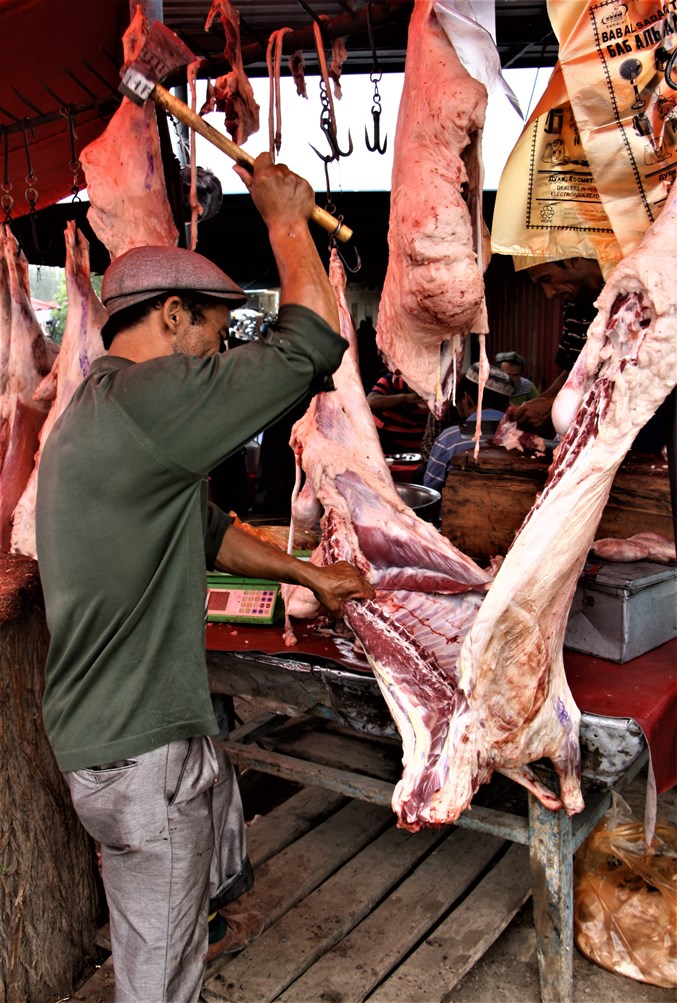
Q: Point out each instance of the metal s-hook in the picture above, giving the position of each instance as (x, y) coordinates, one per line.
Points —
(376, 147)
(31, 194)
(333, 243)
(328, 115)
(375, 77)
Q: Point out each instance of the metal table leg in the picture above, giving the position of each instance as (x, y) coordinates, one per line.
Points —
(551, 860)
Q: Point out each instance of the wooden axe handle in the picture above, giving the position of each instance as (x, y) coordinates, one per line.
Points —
(179, 109)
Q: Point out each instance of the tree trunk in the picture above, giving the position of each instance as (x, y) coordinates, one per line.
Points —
(49, 893)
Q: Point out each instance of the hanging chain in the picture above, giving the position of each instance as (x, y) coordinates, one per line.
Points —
(6, 201)
(375, 77)
(74, 163)
(31, 194)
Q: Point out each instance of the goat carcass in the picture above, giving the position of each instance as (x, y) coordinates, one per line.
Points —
(515, 706)
(24, 360)
(80, 345)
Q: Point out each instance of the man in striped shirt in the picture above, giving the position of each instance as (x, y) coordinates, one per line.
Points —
(460, 438)
(399, 413)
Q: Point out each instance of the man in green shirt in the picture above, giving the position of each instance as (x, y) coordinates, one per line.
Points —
(124, 538)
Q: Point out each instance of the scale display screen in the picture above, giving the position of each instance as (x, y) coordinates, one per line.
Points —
(242, 600)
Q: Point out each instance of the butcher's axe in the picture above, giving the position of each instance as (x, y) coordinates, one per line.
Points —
(161, 54)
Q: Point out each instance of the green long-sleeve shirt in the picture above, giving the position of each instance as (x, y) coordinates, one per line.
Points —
(122, 529)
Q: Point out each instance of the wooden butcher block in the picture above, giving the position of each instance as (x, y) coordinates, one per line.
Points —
(484, 501)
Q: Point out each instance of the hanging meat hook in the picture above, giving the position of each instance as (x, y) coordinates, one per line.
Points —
(74, 164)
(328, 115)
(31, 194)
(6, 201)
(375, 77)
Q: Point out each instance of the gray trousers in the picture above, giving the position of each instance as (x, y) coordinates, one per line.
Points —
(171, 830)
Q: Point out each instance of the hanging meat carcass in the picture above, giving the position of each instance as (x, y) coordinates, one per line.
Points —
(24, 359)
(427, 592)
(125, 179)
(80, 345)
(514, 704)
(433, 292)
(349, 484)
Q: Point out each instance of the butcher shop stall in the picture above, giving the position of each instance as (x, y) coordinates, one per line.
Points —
(465, 786)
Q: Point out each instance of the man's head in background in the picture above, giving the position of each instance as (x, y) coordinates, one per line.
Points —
(513, 364)
(570, 279)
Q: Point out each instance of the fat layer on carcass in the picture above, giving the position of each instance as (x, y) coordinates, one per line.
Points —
(24, 360)
(516, 706)
(433, 292)
(81, 344)
(125, 178)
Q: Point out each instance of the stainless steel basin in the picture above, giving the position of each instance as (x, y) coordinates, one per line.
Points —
(424, 501)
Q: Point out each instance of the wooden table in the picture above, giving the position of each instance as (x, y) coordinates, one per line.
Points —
(324, 678)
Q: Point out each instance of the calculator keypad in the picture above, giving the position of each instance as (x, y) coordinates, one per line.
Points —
(241, 603)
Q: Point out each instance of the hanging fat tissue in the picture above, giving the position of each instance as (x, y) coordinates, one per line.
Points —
(433, 292)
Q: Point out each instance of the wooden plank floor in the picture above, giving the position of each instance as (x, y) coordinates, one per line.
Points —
(354, 908)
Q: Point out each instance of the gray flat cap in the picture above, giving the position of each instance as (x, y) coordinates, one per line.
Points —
(498, 381)
(146, 272)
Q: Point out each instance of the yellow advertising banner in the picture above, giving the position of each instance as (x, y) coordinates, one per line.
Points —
(614, 56)
(590, 172)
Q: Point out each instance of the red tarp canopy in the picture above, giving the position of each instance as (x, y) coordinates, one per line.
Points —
(55, 55)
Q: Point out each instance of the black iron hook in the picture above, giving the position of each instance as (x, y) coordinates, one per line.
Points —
(375, 77)
(376, 147)
(334, 243)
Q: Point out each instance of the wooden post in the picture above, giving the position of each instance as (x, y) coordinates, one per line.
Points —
(551, 860)
(49, 897)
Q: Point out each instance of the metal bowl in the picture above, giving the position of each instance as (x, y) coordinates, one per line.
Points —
(424, 501)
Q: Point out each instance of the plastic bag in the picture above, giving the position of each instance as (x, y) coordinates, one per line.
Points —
(625, 898)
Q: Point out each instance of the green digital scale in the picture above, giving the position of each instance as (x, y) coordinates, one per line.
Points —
(242, 600)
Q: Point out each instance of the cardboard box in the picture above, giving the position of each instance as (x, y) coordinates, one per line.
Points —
(623, 610)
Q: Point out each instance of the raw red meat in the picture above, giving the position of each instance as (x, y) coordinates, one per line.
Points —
(640, 547)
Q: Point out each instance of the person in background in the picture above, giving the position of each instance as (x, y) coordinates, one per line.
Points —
(399, 414)
(369, 358)
(124, 539)
(459, 438)
(577, 282)
(513, 364)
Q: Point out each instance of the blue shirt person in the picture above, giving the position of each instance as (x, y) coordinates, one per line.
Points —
(459, 438)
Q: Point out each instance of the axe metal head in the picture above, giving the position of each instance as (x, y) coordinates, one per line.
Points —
(161, 54)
